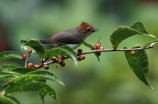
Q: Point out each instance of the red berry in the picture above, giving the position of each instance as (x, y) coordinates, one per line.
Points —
(36, 67)
(82, 57)
(62, 57)
(23, 57)
(42, 60)
(98, 53)
(46, 67)
(0, 94)
(63, 64)
(101, 48)
(60, 61)
(30, 65)
(97, 46)
(54, 59)
(79, 58)
(133, 53)
(79, 51)
(29, 51)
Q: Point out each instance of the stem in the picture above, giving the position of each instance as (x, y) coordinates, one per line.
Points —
(5, 84)
(109, 50)
(27, 56)
(41, 65)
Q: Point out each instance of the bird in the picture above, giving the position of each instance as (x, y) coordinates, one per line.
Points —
(72, 37)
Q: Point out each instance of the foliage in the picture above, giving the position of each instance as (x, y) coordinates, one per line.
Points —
(30, 79)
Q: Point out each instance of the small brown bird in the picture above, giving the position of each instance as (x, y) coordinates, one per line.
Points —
(72, 37)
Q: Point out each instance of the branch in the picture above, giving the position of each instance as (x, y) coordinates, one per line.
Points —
(5, 84)
(88, 52)
(105, 50)
(27, 56)
(109, 50)
(42, 64)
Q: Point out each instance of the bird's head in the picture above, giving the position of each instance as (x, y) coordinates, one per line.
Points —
(86, 28)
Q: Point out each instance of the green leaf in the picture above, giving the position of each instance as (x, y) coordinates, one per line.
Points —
(7, 68)
(124, 32)
(42, 95)
(4, 76)
(89, 45)
(71, 52)
(47, 74)
(22, 70)
(139, 26)
(1, 88)
(152, 43)
(9, 55)
(92, 48)
(99, 42)
(6, 100)
(22, 44)
(27, 78)
(13, 67)
(13, 99)
(37, 46)
(65, 50)
(39, 87)
(139, 65)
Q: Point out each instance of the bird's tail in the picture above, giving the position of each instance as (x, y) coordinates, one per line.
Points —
(42, 41)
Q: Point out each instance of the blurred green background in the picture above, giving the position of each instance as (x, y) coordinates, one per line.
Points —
(110, 81)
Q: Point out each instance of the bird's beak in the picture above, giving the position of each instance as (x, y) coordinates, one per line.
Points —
(95, 30)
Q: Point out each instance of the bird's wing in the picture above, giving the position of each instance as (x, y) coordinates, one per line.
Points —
(67, 37)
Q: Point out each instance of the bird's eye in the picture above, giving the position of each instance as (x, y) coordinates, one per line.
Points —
(89, 29)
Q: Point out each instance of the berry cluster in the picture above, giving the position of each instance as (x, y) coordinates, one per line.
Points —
(97, 46)
(80, 57)
(30, 65)
(29, 51)
(60, 60)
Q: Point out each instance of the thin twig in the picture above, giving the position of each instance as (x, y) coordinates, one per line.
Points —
(41, 65)
(5, 84)
(109, 50)
(27, 56)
